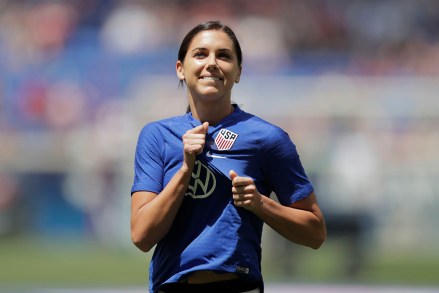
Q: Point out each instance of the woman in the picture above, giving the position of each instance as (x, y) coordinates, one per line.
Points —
(203, 180)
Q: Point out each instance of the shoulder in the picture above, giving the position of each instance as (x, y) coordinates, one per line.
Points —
(264, 129)
(269, 137)
(162, 126)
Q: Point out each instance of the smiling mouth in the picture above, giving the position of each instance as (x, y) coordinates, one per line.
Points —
(210, 78)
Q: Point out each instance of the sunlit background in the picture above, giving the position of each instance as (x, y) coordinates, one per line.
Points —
(354, 82)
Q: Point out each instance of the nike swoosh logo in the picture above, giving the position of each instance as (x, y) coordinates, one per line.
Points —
(209, 155)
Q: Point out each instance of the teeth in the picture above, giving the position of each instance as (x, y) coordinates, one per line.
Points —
(211, 78)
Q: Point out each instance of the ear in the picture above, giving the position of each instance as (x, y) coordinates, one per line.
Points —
(179, 70)
(238, 77)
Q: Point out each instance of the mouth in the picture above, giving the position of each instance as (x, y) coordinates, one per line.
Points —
(210, 78)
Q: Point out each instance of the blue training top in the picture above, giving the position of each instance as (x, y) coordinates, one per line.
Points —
(209, 232)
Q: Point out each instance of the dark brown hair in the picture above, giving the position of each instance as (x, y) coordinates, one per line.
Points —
(206, 26)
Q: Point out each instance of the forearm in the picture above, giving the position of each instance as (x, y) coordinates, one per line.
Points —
(153, 219)
(297, 225)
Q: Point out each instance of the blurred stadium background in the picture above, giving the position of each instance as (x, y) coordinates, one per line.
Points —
(355, 83)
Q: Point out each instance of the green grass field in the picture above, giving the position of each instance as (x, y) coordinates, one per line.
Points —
(329, 264)
(31, 263)
(27, 262)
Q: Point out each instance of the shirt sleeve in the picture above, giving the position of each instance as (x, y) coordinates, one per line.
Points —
(283, 168)
(148, 162)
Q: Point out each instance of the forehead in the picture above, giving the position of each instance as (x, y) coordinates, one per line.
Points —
(211, 39)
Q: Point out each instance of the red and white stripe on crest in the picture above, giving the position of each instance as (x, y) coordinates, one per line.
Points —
(225, 139)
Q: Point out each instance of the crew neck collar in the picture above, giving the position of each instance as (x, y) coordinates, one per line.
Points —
(195, 122)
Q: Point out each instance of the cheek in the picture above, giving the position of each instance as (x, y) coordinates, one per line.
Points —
(232, 76)
(197, 65)
(230, 70)
(193, 70)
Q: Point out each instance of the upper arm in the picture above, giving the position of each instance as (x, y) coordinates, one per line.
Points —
(140, 199)
(308, 203)
(148, 160)
(284, 170)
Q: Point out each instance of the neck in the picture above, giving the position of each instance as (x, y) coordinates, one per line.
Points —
(212, 112)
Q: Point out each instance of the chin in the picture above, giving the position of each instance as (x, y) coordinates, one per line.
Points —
(211, 95)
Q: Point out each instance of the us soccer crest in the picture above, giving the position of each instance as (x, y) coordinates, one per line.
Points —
(225, 139)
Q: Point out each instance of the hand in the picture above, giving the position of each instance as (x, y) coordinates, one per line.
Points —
(245, 193)
(193, 143)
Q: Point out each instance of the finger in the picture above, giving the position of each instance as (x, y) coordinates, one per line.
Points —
(238, 202)
(243, 203)
(205, 127)
(237, 197)
(194, 139)
(193, 148)
(200, 129)
(244, 188)
(232, 175)
(241, 190)
(242, 183)
(247, 202)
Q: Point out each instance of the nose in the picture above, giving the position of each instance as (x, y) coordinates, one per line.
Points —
(212, 67)
(211, 62)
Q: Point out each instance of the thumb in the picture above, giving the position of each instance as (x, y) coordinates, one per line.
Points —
(200, 129)
(205, 127)
(232, 175)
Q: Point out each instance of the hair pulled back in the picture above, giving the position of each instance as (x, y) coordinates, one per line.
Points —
(207, 26)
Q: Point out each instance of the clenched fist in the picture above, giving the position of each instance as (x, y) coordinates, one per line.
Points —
(245, 193)
(193, 143)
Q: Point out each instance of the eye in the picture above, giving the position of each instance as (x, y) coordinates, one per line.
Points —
(199, 54)
(225, 56)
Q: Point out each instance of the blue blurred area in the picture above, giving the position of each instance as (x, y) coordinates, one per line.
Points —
(101, 48)
(51, 214)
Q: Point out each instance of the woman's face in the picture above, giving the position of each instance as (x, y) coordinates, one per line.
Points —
(210, 67)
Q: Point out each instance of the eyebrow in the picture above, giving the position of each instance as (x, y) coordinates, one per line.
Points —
(204, 49)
